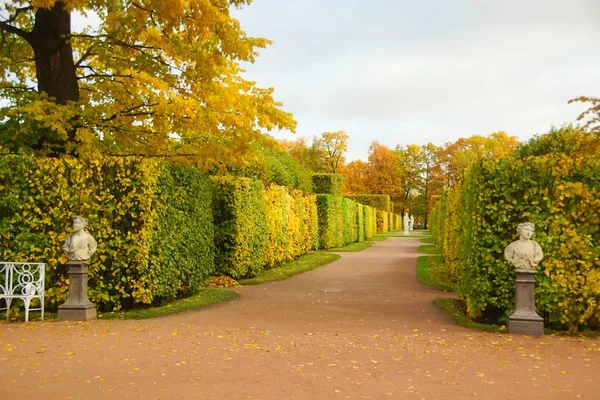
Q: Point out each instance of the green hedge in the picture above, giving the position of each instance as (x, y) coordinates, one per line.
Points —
(328, 184)
(132, 206)
(370, 222)
(339, 221)
(382, 221)
(360, 222)
(559, 193)
(240, 223)
(292, 224)
(378, 201)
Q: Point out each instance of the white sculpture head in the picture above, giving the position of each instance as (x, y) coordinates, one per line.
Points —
(526, 230)
(79, 223)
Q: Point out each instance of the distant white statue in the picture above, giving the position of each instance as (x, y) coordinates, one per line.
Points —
(412, 222)
(525, 254)
(406, 223)
(80, 245)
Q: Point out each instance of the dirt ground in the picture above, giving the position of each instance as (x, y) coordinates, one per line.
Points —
(358, 328)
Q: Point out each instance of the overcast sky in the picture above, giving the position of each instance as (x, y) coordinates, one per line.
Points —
(402, 72)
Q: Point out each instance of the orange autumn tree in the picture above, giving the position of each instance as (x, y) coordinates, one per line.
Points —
(457, 157)
(153, 78)
(383, 171)
(355, 177)
(333, 146)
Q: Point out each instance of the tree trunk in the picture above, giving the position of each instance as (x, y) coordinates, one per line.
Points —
(55, 68)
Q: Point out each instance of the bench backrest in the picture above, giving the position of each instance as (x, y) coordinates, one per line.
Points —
(22, 279)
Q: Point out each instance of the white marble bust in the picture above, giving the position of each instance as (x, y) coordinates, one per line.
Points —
(524, 254)
(80, 245)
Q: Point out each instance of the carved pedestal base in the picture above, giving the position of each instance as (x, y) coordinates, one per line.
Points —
(524, 320)
(77, 307)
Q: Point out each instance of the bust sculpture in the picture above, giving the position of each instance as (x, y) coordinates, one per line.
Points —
(80, 245)
(524, 254)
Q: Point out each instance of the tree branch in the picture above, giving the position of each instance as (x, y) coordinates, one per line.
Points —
(85, 55)
(16, 31)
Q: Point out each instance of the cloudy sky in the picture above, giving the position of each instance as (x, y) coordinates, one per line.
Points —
(402, 72)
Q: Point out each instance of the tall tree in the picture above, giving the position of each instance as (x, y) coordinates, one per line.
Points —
(457, 157)
(382, 173)
(334, 146)
(355, 177)
(592, 114)
(309, 156)
(156, 77)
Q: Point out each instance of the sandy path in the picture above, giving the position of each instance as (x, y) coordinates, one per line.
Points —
(358, 328)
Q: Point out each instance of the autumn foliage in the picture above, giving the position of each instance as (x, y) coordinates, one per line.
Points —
(551, 181)
(152, 221)
(153, 78)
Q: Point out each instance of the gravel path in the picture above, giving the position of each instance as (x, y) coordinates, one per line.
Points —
(358, 328)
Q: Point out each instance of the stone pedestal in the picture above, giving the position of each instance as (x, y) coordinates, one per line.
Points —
(524, 320)
(77, 307)
(406, 233)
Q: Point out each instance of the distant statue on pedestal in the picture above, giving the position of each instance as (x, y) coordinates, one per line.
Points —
(525, 255)
(412, 222)
(406, 223)
(78, 247)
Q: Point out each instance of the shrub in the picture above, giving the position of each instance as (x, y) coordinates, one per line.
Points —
(378, 201)
(328, 184)
(240, 223)
(560, 193)
(132, 206)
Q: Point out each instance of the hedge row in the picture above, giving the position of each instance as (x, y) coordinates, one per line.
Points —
(258, 227)
(560, 194)
(328, 184)
(343, 221)
(150, 249)
(378, 201)
(162, 229)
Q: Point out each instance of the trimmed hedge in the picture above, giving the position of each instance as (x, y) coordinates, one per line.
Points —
(378, 201)
(140, 260)
(370, 221)
(343, 221)
(328, 184)
(291, 223)
(560, 194)
(240, 223)
(382, 221)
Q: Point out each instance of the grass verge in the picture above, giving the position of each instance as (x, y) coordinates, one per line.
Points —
(428, 249)
(298, 266)
(359, 246)
(432, 272)
(204, 298)
(454, 308)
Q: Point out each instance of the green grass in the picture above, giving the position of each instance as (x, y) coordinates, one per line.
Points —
(298, 266)
(427, 239)
(204, 298)
(432, 272)
(454, 308)
(428, 249)
(359, 246)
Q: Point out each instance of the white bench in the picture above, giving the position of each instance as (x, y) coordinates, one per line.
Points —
(23, 281)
